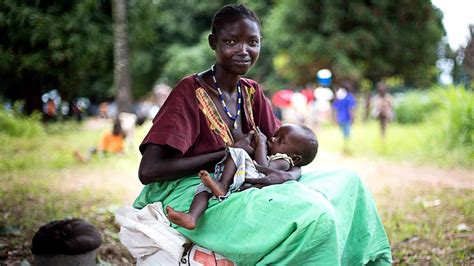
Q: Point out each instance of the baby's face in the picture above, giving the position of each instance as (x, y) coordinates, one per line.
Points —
(285, 140)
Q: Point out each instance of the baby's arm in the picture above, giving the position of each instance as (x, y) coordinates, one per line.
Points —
(261, 149)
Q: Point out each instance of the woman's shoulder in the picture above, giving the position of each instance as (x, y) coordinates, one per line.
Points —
(186, 82)
(250, 83)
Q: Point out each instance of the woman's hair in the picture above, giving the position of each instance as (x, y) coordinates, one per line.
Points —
(230, 13)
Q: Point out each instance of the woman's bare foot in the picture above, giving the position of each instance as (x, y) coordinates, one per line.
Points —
(215, 186)
(182, 219)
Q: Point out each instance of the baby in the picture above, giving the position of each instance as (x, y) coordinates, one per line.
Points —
(292, 145)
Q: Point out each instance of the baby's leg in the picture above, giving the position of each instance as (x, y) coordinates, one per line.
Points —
(189, 220)
(220, 188)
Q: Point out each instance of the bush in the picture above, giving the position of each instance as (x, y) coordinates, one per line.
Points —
(413, 107)
(18, 125)
(455, 122)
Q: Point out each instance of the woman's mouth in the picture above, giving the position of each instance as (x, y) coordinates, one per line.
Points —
(242, 62)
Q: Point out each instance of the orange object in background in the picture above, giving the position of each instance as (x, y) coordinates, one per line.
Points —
(111, 143)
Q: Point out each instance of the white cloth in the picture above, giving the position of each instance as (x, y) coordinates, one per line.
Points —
(148, 236)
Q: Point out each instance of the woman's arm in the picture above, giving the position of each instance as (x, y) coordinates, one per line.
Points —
(160, 163)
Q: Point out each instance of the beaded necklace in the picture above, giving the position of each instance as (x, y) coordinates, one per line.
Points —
(221, 97)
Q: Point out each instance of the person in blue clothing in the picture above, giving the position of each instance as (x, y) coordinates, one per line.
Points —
(344, 107)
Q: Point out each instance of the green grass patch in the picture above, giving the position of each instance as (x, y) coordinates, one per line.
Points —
(426, 226)
(51, 150)
(418, 143)
(440, 130)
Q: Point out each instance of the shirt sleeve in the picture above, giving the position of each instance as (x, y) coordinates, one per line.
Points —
(177, 122)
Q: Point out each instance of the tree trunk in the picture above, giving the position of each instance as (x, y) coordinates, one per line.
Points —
(122, 78)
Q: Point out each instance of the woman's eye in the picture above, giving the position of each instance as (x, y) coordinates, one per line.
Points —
(253, 43)
(230, 42)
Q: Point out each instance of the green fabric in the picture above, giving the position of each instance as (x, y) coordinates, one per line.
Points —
(326, 218)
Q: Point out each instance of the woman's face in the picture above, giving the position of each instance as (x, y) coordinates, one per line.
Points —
(237, 45)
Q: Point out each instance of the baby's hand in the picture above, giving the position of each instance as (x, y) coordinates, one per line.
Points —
(260, 138)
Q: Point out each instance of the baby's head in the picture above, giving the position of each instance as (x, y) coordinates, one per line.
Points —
(297, 141)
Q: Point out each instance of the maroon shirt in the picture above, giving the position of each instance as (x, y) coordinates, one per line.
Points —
(182, 125)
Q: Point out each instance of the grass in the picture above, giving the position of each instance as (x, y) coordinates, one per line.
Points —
(409, 142)
(32, 173)
(425, 226)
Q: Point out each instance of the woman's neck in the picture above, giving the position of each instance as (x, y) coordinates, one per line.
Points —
(226, 81)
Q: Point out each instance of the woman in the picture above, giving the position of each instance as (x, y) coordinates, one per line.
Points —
(284, 222)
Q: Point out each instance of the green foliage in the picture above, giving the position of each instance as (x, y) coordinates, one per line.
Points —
(61, 45)
(356, 39)
(17, 125)
(455, 123)
(468, 62)
(414, 106)
(187, 60)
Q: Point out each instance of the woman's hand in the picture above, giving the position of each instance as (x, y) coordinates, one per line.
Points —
(273, 176)
(246, 143)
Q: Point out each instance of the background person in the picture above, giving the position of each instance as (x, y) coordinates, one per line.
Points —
(111, 142)
(383, 107)
(344, 107)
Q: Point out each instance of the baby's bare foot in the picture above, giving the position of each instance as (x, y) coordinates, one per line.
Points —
(180, 218)
(215, 186)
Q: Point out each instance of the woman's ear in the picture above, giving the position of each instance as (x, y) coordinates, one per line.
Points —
(296, 159)
(212, 41)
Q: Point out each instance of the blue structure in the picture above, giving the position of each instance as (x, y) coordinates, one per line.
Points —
(324, 77)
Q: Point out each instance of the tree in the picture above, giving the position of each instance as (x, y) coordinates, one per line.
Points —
(122, 79)
(355, 39)
(63, 45)
(468, 61)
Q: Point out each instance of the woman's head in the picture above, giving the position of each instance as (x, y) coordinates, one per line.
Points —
(235, 37)
(297, 141)
(231, 13)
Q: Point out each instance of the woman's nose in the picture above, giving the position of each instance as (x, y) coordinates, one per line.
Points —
(243, 48)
